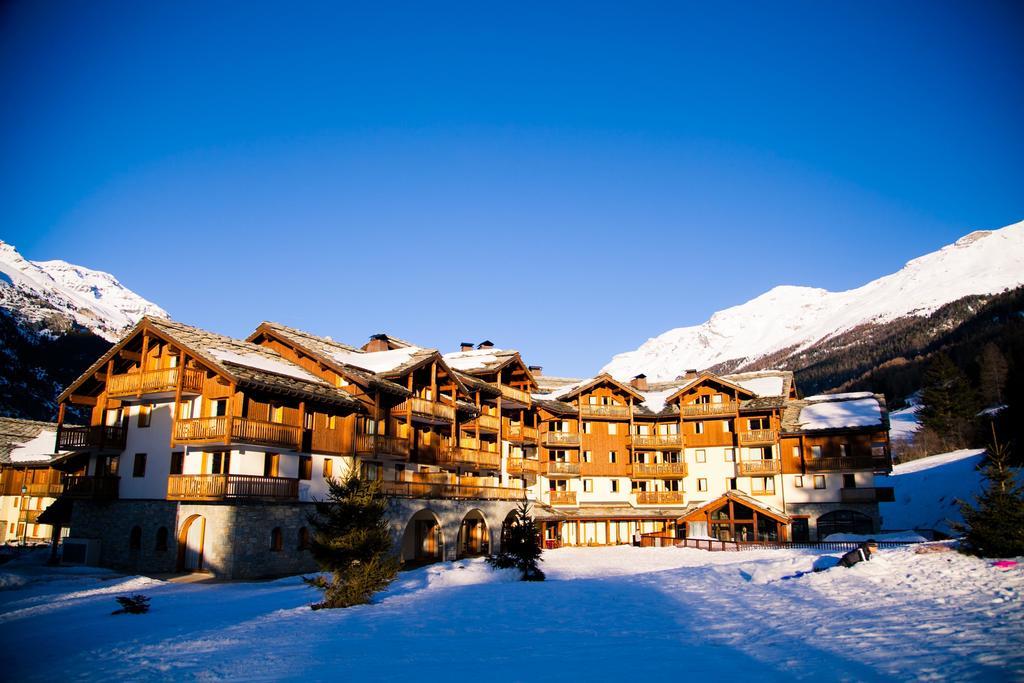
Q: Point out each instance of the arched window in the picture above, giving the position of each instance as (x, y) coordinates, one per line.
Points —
(844, 522)
(276, 539)
(303, 538)
(161, 538)
(135, 538)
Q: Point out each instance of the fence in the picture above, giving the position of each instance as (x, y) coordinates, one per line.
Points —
(663, 540)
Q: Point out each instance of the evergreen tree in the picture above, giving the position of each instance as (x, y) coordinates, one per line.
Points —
(520, 546)
(351, 541)
(948, 404)
(995, 525)
(993, 373)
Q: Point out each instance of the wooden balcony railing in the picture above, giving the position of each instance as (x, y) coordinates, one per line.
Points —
(459, 455)
(659, 470)
(100, 437)
(333, 441)
(159, 381)
(29, 516)
(522, 466)
(660, 497)
(512, 394)
(853, 462)
(381, 445)
(708, 409)
(851, 495)
(672, 441)
(91, 487)
(223, 486)
(489, 423)
(587, 410)
(562, 497)
(561, 439)
(424, 408)
(758, 436)
(522, 433)
(758, 468)
(51, 490)
(567, 469)
(243, 430)
(418, 489)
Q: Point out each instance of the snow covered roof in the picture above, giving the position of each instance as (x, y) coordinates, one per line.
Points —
(378, 361)
(840, 413)
(477, 360)
(24, 442)
(764, 383)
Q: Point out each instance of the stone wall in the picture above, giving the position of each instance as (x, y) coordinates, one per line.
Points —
(815, 510)
(111, 522)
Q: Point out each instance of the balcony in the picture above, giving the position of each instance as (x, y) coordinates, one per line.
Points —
(161, 381)
(44, 490)
(91, 487)
(853, 462)
(522, 467)
(658, 441)
(520, 433)
(555, 439)
(587, 410)
(488, 423)
(708, 409)
(29, 516)
(659, 470)
(379, 445)
(428, 411)
(562, 497)
(557, 468)
(98, 437)
(242, 430)
(225, 486)
(467, 456)
(331, 441)
(758, 468)
(417, 489)
(516, 396)
(754, 437)
(852, 495)
(660, 497)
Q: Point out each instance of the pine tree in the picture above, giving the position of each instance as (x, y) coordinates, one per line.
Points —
(995, 525)
(351, 540)
(520, 547)
(948, 404)
(993, 373)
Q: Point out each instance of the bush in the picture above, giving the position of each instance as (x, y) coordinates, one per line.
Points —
(132, 604)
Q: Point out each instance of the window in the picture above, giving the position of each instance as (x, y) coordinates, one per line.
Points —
(588, 485)
(726, 426)
(702, 484)
(819, 481)
(730, 484)
(614, 484)
(145, 415)
(613, 428)
(849, 481)
(558, 426)
(763, 484)
(371, 471)
(161, 539)
(271, 462)
(759, 423)
(798, 481)
(328, 468)
(844, 450)
(796, 452)
(611, 457)
(587, 427)
(303, 538)
(815, 451)
(276, 413)
(878, 449)
(276, 540)
(305, 467)
(700, 455)
(585, 456)
(135, 539)
(698, 427)
(730, 455)
(139, 466)
(220, 407)
(177, 463)
(221, 463)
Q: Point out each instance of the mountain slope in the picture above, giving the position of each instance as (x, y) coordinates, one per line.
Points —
(52, 297)
(788, 321)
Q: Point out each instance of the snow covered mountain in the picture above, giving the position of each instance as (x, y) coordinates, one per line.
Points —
(51, 296)
(789, 320)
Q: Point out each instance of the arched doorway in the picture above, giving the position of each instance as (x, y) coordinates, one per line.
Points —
(190, 544)
(844, 522)
(474, 536)
(506, 527)
(423, 541)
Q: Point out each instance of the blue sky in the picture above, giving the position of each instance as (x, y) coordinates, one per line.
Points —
(568, 181)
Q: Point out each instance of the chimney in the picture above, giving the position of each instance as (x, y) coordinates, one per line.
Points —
(486, 344)
(639, 382)
(690, 374)
(378, 342)
(465, 346)
(535, 370)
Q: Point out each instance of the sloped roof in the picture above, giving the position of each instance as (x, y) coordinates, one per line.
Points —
(740, 497)
(14, 432)
(583, 385)
(836, 412)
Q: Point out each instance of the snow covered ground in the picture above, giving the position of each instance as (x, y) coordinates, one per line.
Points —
(604, 613)
(927, 491)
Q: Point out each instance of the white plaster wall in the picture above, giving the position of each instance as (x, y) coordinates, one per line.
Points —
(154, 441)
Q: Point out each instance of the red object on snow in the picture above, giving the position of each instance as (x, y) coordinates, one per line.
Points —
(1005, 565)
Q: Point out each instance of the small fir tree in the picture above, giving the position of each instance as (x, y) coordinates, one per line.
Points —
(520, 547)
(351, 541)
(995, 525)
